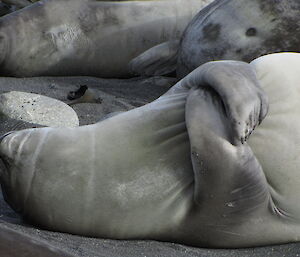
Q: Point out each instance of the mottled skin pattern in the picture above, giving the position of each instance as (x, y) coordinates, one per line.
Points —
(177, 169)
(239, 30)
(88, 37)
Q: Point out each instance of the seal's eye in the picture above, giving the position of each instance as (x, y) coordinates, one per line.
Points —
(251, 32)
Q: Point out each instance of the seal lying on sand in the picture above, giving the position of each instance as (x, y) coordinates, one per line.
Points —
(177, 169)
(88, 37)
(228, 30)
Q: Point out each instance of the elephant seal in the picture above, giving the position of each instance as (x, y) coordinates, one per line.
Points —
(229, 30)
(239, 30)
(177, 169)
(88, 37)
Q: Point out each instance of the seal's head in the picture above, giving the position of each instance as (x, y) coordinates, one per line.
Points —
(239, 30)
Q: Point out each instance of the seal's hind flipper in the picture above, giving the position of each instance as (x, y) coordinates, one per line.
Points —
(157, 61)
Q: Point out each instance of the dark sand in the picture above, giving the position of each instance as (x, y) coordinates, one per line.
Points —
(18, 239)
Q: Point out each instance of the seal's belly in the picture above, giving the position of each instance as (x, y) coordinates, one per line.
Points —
(276, 142)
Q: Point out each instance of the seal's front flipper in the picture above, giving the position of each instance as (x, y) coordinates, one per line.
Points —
(229, 181)
(157, 61)
(245, 102)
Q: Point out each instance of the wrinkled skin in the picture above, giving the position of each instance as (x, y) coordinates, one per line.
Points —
(239, 30)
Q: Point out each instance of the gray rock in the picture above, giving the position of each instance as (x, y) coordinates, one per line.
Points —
(37, 109)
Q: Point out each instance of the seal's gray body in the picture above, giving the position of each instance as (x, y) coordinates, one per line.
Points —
(239, 30)
(88, 37)
(174, 169)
